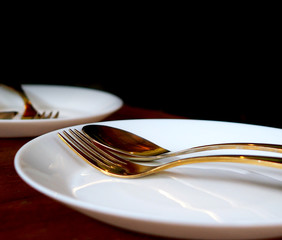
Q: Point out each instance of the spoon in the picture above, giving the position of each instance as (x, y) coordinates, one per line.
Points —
(134, 147)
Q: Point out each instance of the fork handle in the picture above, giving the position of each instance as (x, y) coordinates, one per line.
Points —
(246, 159)
(144, 170)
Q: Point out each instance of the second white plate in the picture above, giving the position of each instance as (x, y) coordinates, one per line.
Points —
(76, 106)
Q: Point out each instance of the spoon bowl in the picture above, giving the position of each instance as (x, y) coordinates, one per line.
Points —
(121, 141)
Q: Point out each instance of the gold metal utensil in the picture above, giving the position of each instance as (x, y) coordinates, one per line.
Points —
(30, 112)
(8, 115)
(130, 146)
(112, 165)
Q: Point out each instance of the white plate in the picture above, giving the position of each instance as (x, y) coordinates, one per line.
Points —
(201, 201)
(76, 105)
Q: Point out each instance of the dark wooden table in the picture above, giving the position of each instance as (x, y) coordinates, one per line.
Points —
(27, 214)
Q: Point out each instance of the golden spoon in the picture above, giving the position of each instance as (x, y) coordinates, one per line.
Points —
(134, 147)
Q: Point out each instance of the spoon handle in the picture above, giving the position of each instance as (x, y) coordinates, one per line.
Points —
(30, 111)
(246, 146)
(245, 159)
(239, 146)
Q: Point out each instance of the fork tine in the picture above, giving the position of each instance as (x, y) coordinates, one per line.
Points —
(44, 115)
(94, 161)
(81, 151)
(49, 115)
(110, 166)
(57, 114)
(89, 149)
(41, 116)
(105, 155)
(121, 166)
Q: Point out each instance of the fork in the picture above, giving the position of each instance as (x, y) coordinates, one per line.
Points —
(115, 166)
(29, 111)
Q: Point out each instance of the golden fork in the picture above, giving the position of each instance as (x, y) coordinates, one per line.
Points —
(112, 165)
(30, 112)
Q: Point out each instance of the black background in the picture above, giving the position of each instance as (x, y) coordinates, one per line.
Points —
(218, 72)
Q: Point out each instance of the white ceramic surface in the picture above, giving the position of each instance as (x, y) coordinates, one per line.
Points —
(200, 201)
(76, 105)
